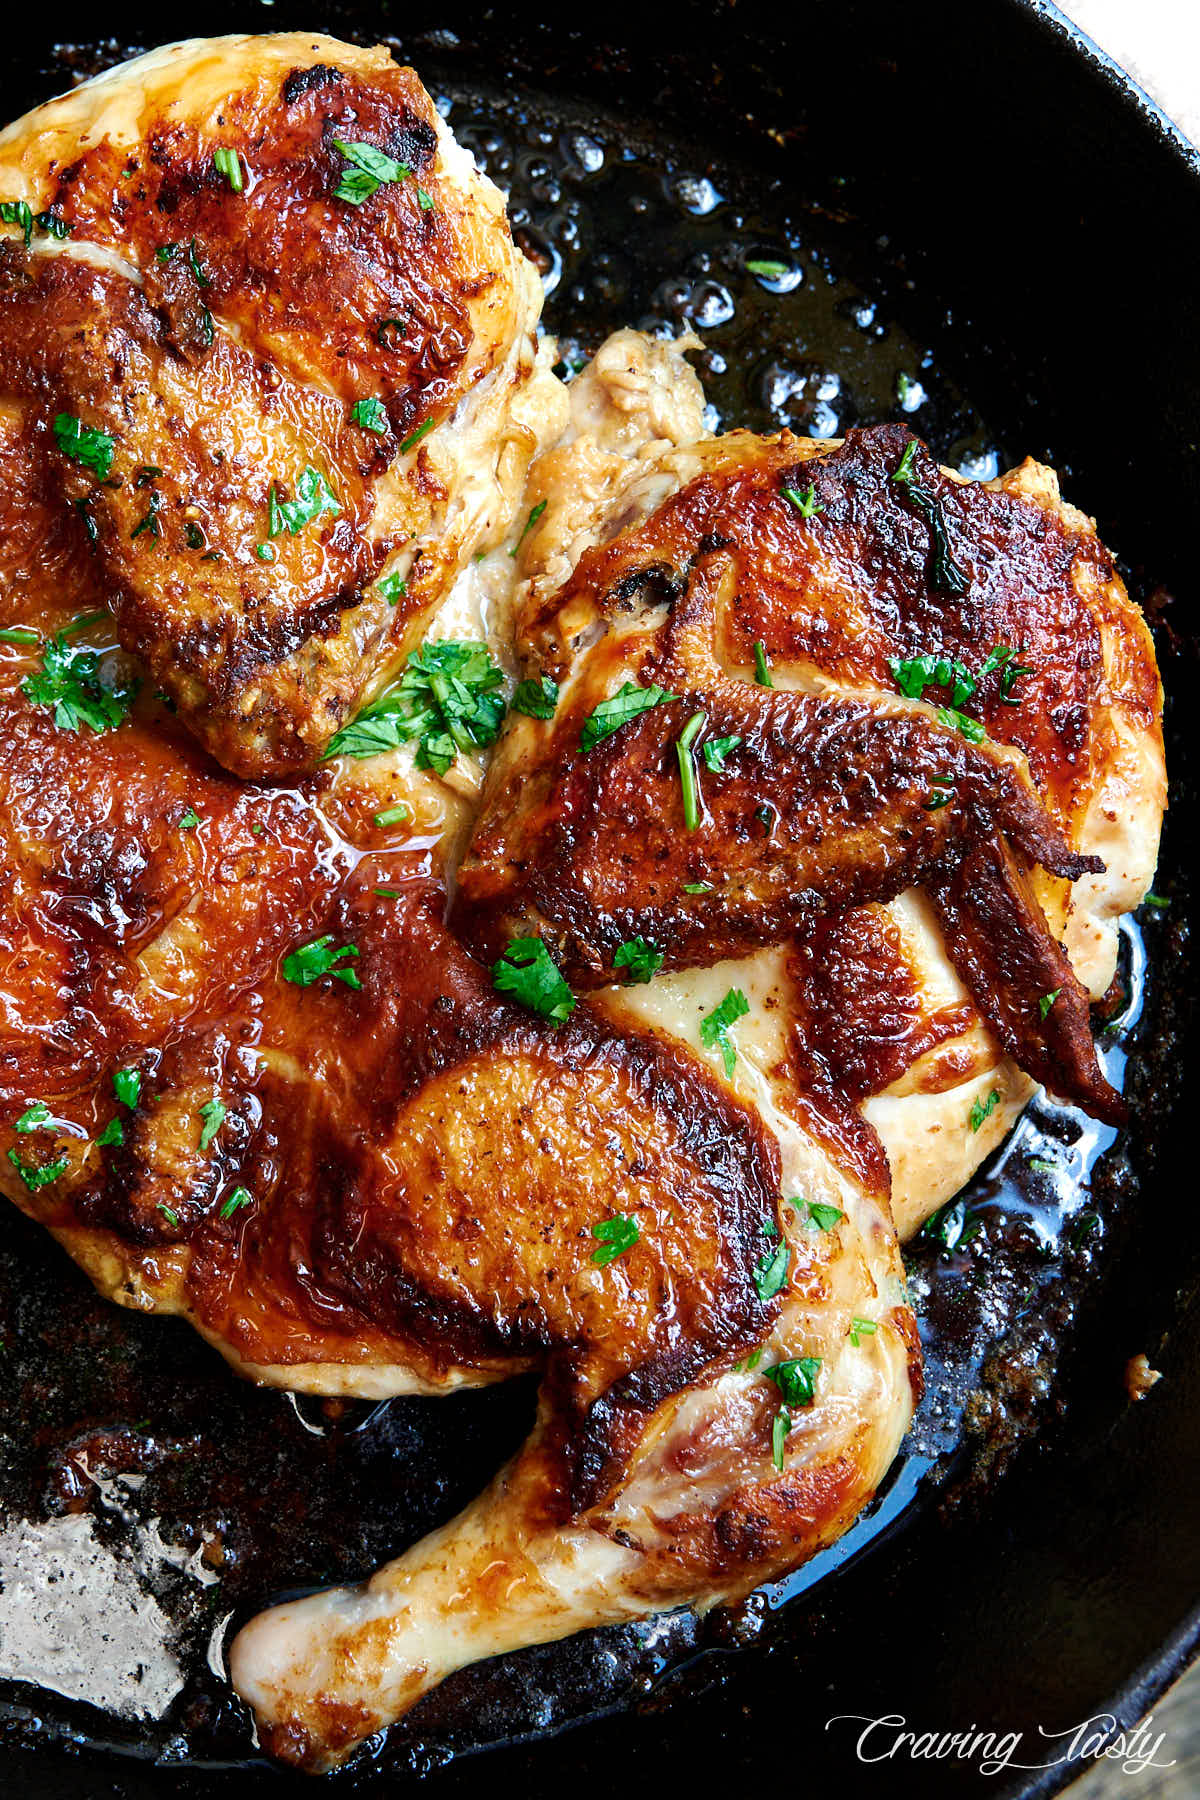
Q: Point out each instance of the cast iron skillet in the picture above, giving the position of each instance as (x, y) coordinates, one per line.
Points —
(976, 190)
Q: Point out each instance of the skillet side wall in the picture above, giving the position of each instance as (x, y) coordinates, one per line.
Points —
(1059, 225)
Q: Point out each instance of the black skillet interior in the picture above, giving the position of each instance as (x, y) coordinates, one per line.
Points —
(969, 203)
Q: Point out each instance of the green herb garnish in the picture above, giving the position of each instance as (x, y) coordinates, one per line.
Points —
(697, 887)
(629, 702)
(240, 1197)
(1158, 901)
(447, 701)
(17, 212)
(313, 497)
(616, 1235)
(19, 634)
(536, 697)
(913, 674)
(823, 1217)
(714, 1029)
(762, 669)
(961, 722)
(113, 1133)
(392, 587)
(1003, 657)
(213, 1114)
(781, 1424)
(641, 961)
(530, 522)
(806, 504)
(529, 973)
(37, 1178)
(796, 1379)
(952, 1226)
(861, 1328)
(716, 750)
(127, 1085)
(1046, 1001)
(83, 444)
(766, 267)
(394, 815)
(371, 414)
(311, 961)
(189, 820)
(34, 1117)
(229, 164)
(983, 1109)
(770, 1272)
(411, 442)
(944, 573)
(687, 770)
(369, 170)
(69, 681)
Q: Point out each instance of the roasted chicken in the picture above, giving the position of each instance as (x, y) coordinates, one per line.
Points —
(261, 552)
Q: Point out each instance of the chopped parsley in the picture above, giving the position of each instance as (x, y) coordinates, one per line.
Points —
(1046, 1001)
(1002, 657)
(213, 1114)
(314, 496)
(781, 1424)
(749, 1363)
(796, 1379)
(629, 702)
(17, 212)
(313, 960)
(942, 794)
(536, 697)
(1159, 902)
(113, 1133)
(762, 669)
(697, 887)
(616, 1235)
(806, 504)
(369, 170)
(229, 164)
(714, 1029)
(371, 414)
(766, 267)
(392, 587)
(861, 1328)
(770, 1272)
(424, 200)
(34, 1117)
(952, 1226)
(983, 1109)
(399, 814)
(641, 961)
(945, 576)
(169, 1214)
(83, 444)
(716, 750)
(19, 634)
(687, 769)
(963, 723)
(240, 1197)
(414, 438)
(127, 1085)
(446, 701)
(529, 973)
(150, 520)
(823, 1217)
(69, 681)
(37, 1178)
(913, 674)
(189, 820)
(530, 522)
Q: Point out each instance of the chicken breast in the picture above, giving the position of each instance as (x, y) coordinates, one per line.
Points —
(268, 330)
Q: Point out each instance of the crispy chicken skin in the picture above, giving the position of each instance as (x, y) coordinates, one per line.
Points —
(222, 337)
(388, 1177)
(835, 789)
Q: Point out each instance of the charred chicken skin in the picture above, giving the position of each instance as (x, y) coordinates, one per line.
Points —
(250, 1075)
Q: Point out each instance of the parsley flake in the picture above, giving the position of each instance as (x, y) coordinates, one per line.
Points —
(983, 1109)
(213, 1114)
(113, 1133)
(1159, 902)
(762, 668)
(796, 1379)
(860, 1328)
(714, 1029)
(781, 1424)
(771, 1271)
(716, 750)
(629, 702)
(70, 682)
(616, 1235)
(806, 504)
(399, 814)
(240, 1197)
(913, 674)
(37, 1178)
(18, 213)
(19, 634)
(530, 522)
(945, 576)
(823, 1217)
(313, 960)
(967, 727)
(767, 268)
(446, 702)
(697, 887)
(34, 1117)
(369, 170)
(952, 1226)
(371, 414)
(536, 697)
(393, 587)
(127, 1085)
(529, 973)
(1046, 1001)
(640, 960)
(83, 444)
(314, 496)
(411, 442)
(189, 820)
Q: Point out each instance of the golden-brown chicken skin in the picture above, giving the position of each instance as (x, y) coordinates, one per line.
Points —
(316, 391)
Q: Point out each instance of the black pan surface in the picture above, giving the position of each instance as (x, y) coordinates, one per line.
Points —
(989, 233)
